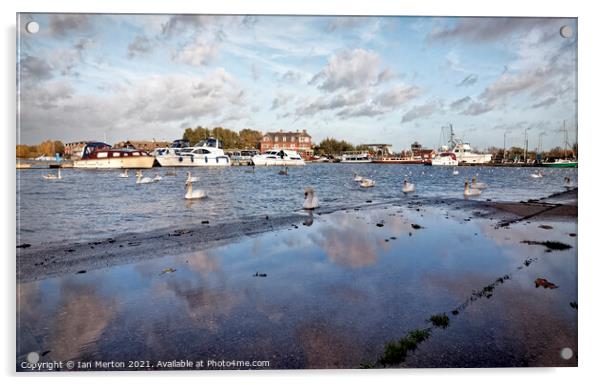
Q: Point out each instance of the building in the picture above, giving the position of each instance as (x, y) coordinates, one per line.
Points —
(74, 149)
(299, 141)
(420, 153)
(146, 145)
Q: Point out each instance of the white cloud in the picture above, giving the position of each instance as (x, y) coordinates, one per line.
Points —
(197, 52)
(349, 70)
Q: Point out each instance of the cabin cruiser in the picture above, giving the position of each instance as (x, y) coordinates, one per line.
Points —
(278, 158)
(463, 151)
(208, 152)
(102, 155)
(444, 159)
(355, 157)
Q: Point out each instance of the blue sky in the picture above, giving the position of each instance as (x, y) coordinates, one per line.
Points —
(364, 79)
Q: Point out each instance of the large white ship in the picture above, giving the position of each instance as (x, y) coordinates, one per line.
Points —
(463, 152)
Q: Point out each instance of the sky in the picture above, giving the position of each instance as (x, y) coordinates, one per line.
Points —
(389, 79)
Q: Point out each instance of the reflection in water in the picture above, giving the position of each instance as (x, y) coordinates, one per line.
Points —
(335, 293)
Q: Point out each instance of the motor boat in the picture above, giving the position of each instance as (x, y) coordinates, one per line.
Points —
(356, 157)
(445, 159)
(278, 158)
(208, 152)
(102, 155)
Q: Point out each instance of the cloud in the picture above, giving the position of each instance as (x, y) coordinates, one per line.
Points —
(545, 103)
(459, 103)
(181, 23)
(198, 52)
(63, 25)
(331, 103)
(281, 100)
(489, 29)
(420, 111)
(33, 68)
(349, 70)
(397, 96)
(477, 108)
(140, 46)
(291, 76)
(345, 22)
(468, 80)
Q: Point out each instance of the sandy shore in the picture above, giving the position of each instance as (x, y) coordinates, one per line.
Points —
(35, 262)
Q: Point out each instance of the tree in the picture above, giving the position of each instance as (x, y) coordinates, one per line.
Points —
(249, 138)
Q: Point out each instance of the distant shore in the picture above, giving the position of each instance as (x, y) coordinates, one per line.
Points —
(36, 262)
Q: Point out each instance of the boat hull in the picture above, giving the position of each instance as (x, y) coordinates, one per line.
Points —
(129, 162)
(193, 161)
(560, 165)
(277, 162)
(357, 161)
(444, 162)
(396, 161)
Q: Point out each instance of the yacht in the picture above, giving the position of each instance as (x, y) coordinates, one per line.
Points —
(444, 159)
(102, 155)
(564, 163)
(355, 157)
(208, 152)
(463, 151)
(278, 158)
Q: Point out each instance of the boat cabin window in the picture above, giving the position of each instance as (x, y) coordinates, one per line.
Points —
(116, 155)
(136, 153)
(102, 155)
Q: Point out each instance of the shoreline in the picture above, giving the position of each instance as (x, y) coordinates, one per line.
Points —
(37, 262)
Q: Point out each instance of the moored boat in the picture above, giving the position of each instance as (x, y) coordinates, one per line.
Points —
(356, 157)
(561, 163)
(102, 155)
(463, 152)
(208, 152)
(444, 159)
(278, 158)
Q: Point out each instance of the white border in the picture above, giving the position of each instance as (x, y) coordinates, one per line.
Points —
(589, 171)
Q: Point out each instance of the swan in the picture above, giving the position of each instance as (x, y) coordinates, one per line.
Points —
(193, 194)
(157, 178)
(455, 172)
(191, 178)
(408, 187)
(477, 185)
(311, 201)
(124, 174)
(470, 192)
(367, 182)
(538, 174)
(357, 178)
(141, 180)
(53, 176)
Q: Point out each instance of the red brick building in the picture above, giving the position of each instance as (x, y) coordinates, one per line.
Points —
(299, 141)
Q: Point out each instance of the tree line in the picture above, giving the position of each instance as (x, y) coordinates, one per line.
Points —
(46, 148)
(244, 139)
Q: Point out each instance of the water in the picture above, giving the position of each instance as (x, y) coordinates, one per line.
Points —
(89, 204)
(334, 295)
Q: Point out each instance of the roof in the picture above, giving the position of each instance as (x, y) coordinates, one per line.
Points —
(291, 133)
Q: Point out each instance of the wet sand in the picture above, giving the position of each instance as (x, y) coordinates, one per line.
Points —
(408, 283)
(53, 259)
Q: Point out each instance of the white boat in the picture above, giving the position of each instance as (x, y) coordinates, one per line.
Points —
(445, 159)
(463, 151)
(355, 157)
(208, 152)
(102, 155)
(278, 158)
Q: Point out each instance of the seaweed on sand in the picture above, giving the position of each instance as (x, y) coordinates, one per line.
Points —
(440, 320)
(552, 245)
(396, 351)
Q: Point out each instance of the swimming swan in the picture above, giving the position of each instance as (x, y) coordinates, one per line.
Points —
(538, 174)
(191, 178)
(193, 194)
(470, 192)
(284, 171)
(124, 174)
(455, 172)
(477, 185)
(311, 201)
(357, 178)
(157, 178)
(141, 180)
(53, 176)
(367, 182)
(408, 187)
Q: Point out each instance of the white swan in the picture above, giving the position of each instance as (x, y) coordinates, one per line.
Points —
(193, 194)
(357, 178)
(455, 172)
(124, 174)
(53, 176)
(477, 185)
(538, 174)
(367, 182)
(157, 178)
(191, 178)
(408, 187)
(141, 180)
(470, 192)
(311, 200)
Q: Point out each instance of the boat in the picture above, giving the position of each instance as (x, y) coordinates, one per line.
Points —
(463, 151)
(564, 163)
(356, 157)
(208, 152)
(397, 160)
(278, 158)
(444, 159)
(102, 155)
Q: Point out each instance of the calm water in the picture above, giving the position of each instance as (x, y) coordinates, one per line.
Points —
(334, 294)
(89, 204)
